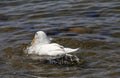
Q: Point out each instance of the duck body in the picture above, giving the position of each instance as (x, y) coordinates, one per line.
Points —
(41, 45)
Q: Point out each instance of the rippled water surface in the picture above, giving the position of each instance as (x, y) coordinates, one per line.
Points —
(92, 25)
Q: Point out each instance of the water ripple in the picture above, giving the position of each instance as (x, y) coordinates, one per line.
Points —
(91, 25)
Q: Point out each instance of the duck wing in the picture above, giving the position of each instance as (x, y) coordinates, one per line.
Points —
(51, 49)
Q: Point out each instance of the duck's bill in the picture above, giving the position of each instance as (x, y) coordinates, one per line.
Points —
(33, 41)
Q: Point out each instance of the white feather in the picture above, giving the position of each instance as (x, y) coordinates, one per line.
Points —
(41, 45)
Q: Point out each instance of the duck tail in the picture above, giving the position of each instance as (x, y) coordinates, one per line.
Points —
(69, 50)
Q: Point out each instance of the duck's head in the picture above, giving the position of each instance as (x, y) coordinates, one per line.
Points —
(40, 38)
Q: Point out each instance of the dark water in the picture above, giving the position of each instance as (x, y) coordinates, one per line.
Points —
(92, 25)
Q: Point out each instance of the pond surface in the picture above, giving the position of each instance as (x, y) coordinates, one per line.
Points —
(91, 25)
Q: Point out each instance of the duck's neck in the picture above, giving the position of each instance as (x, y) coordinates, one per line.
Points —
(40, 42)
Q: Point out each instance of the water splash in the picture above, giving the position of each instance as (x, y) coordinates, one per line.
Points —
(63, 60)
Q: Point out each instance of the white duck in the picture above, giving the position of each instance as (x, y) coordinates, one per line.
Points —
(42, 45)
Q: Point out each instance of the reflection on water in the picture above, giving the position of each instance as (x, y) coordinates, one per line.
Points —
(91, 25)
